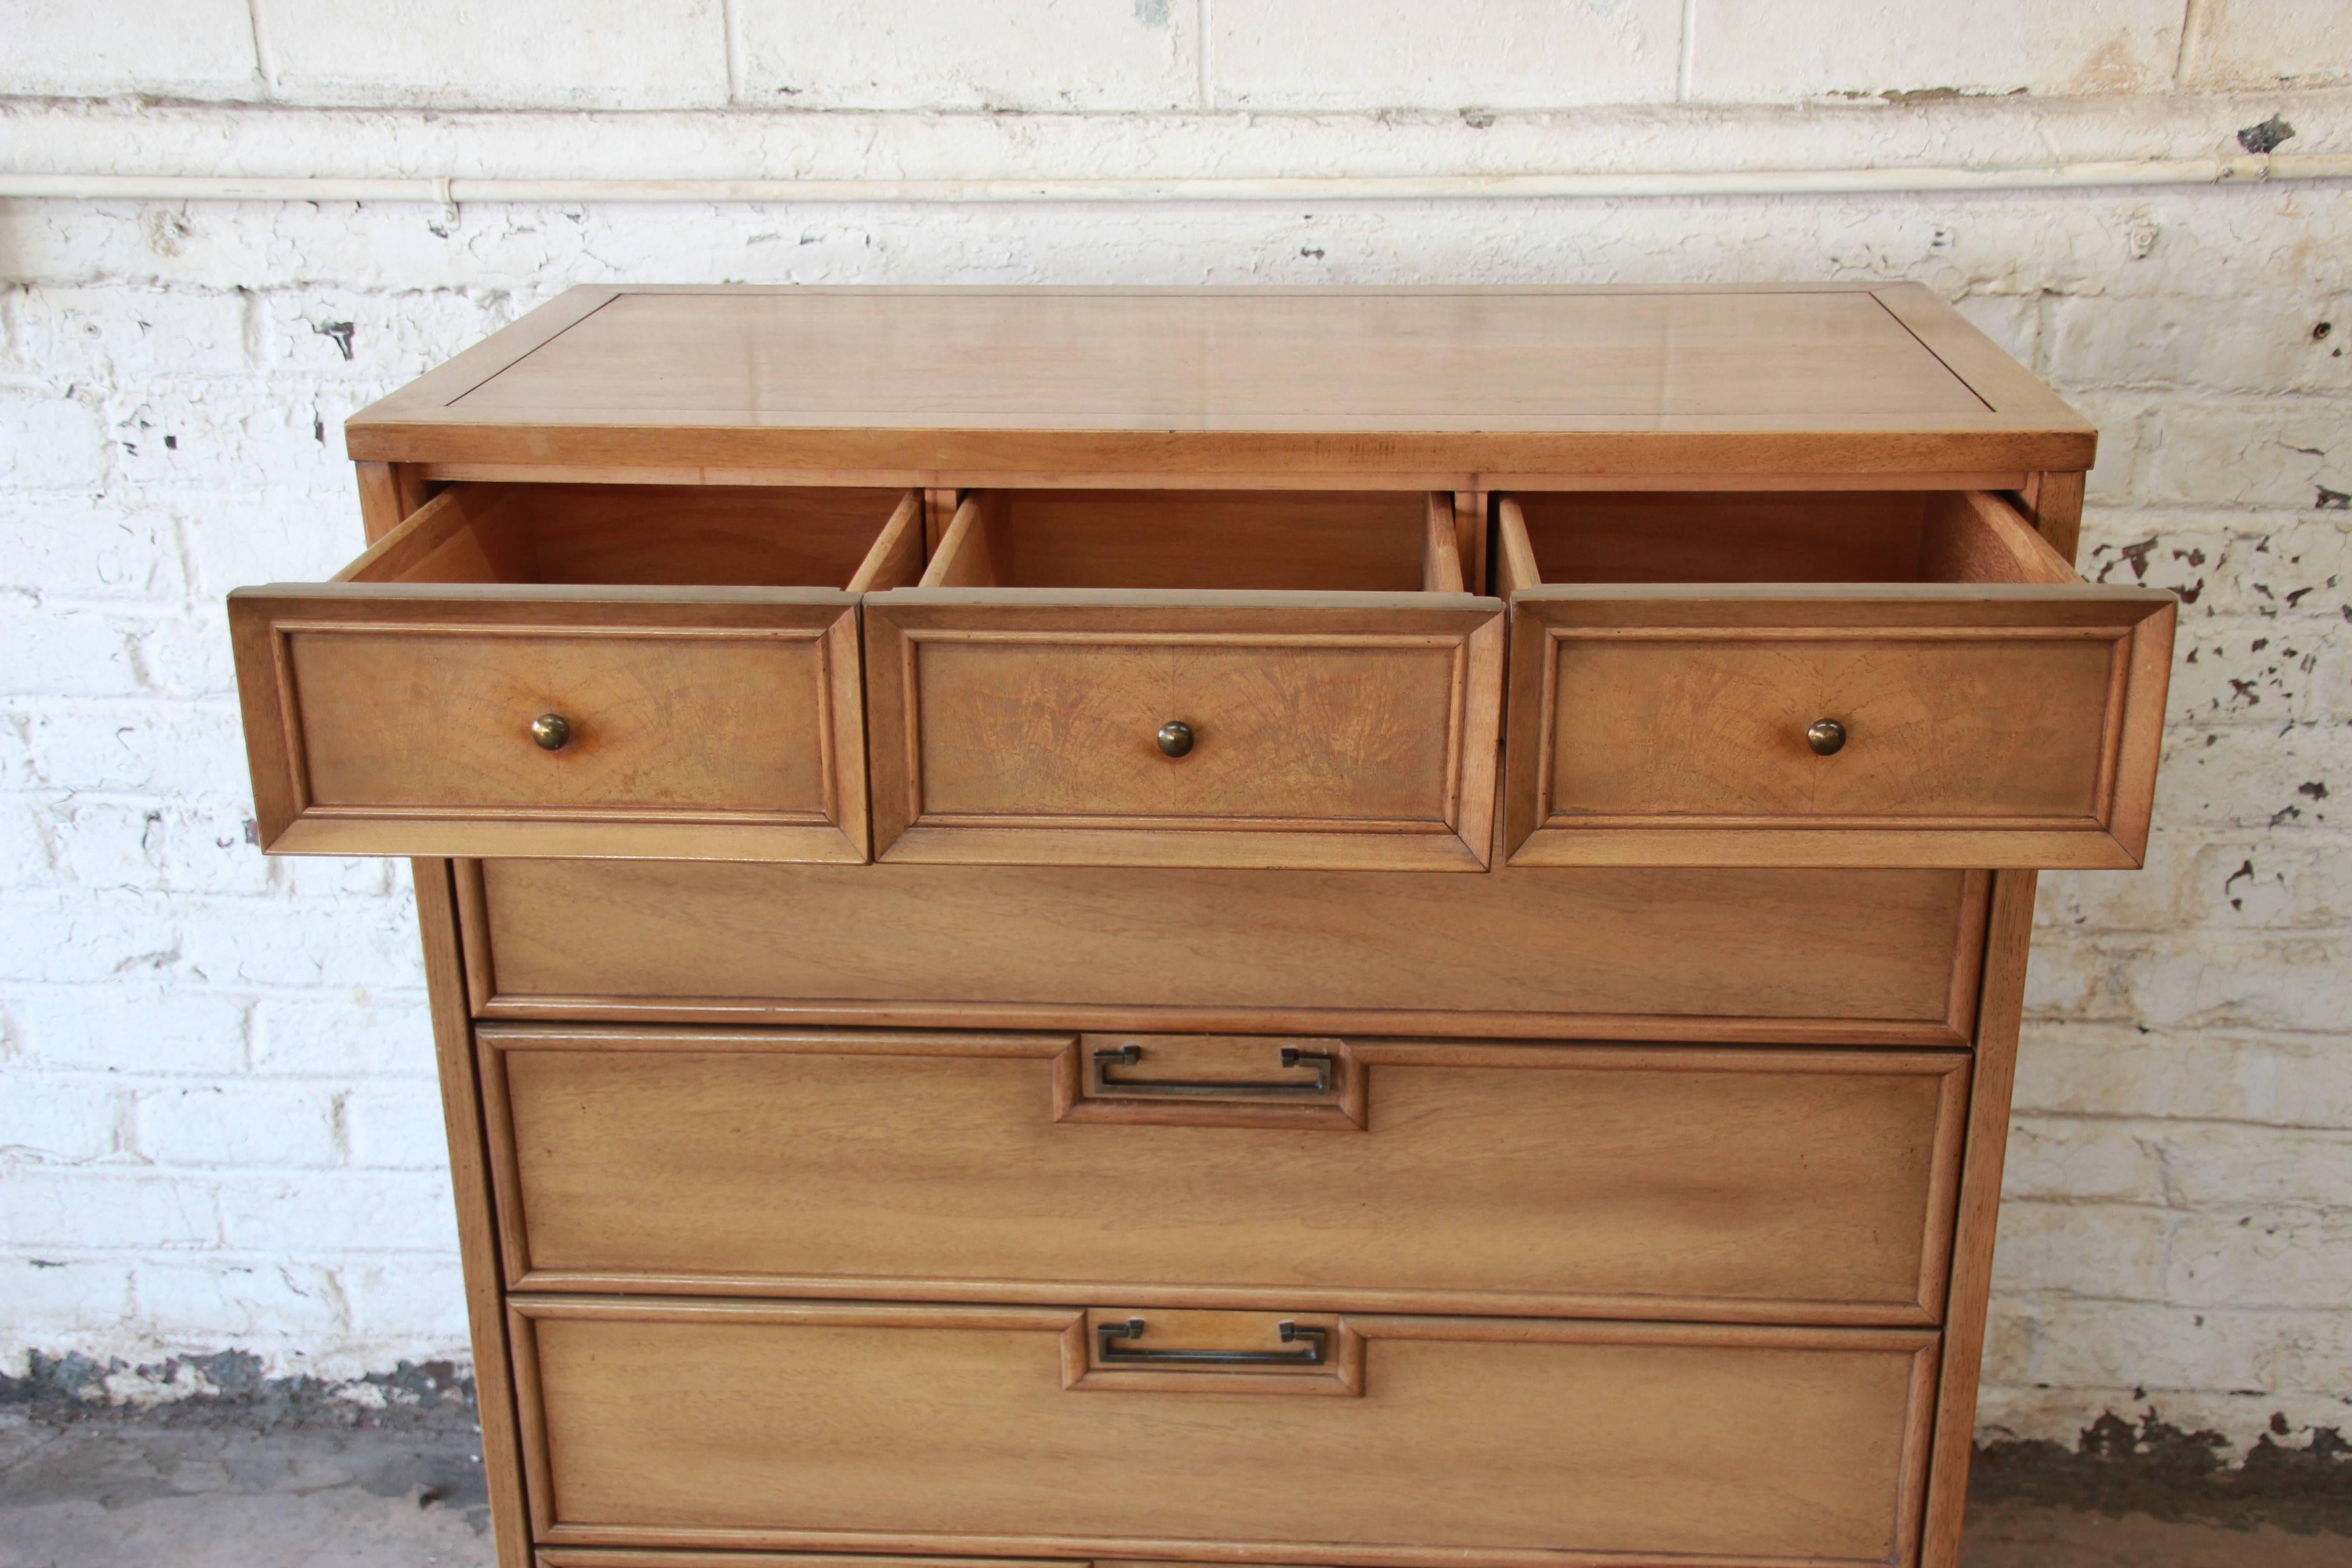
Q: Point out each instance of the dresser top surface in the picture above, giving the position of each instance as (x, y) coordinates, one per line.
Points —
(904, 381)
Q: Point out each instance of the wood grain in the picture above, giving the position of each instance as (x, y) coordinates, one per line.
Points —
(809, 536)
(390, 711)
(1440, 562)
(1795, 956)
(2056, 509)
(947, 483)
(1984, 724)
(634, 535)
(2006, 945)
(1760, 536)
(1745, 1186)
(397, 719)
(1340, 730)
(468, 533)
(1939, 729)
(2006, 388)
(470, 1183)
(1783, 536)
(1718, 514)
(895, 560)
(1971, 536)
(1839, 378)
(1308, 540)
(381, 510)
(770, 1425)
(1473, 524)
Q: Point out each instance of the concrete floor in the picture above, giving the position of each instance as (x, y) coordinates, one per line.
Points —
(128, 1494)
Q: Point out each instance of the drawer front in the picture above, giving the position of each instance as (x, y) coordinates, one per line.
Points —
(1677, 1181)
(1739, 955)
(1919, 726)
(1420, 1441)
(389, 719)
(1011, 730)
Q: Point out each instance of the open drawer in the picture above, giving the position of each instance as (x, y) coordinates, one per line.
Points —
(1188, 678)
(577, 670)
(1862, 679)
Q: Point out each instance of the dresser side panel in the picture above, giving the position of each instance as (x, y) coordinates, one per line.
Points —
(461, 1109)
(2009, 938)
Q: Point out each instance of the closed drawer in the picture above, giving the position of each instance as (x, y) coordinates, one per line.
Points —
(1387, 1175)
(1739, 955)
(1416, 1441)
(577, 670)
(1822, 680)
(1188, 678)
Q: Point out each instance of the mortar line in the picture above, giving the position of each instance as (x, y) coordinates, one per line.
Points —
(1201, 54)
(728, 23)
(262, 62)
(2192, 34)
(1689, 51)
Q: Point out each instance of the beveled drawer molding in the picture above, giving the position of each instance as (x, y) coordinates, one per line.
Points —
(574, 669)
(1531, 1442)
(1910, 680)
(1673, 1182)
(1799, 957)
(1188, 678)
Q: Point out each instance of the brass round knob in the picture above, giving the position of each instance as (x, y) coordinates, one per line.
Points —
(1175, 737)
(552, 730)
(1825, 736)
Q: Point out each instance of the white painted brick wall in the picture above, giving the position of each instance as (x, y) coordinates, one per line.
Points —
(219, 1124)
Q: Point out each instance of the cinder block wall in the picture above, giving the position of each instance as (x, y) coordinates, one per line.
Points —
(217, 1123)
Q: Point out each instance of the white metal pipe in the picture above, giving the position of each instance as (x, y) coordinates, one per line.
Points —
(449, 190)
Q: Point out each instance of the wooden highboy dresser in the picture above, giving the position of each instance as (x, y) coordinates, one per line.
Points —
(1342, 927)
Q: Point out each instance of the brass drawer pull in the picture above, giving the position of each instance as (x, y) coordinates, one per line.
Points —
(1107, 1352)
(1127, 1055)
(1826, 737)
(552, 730)
(1175, 737)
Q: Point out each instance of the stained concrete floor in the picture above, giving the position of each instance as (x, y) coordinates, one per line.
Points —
(122, 1493)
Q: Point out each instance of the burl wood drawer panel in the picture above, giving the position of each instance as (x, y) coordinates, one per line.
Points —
(577, 669)
(1801, 956)
(1755, 1186)
(1010, 1429)
(1900, 677)
(1172, 677)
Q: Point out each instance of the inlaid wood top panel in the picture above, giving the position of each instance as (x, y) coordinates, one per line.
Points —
(1585, 381)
